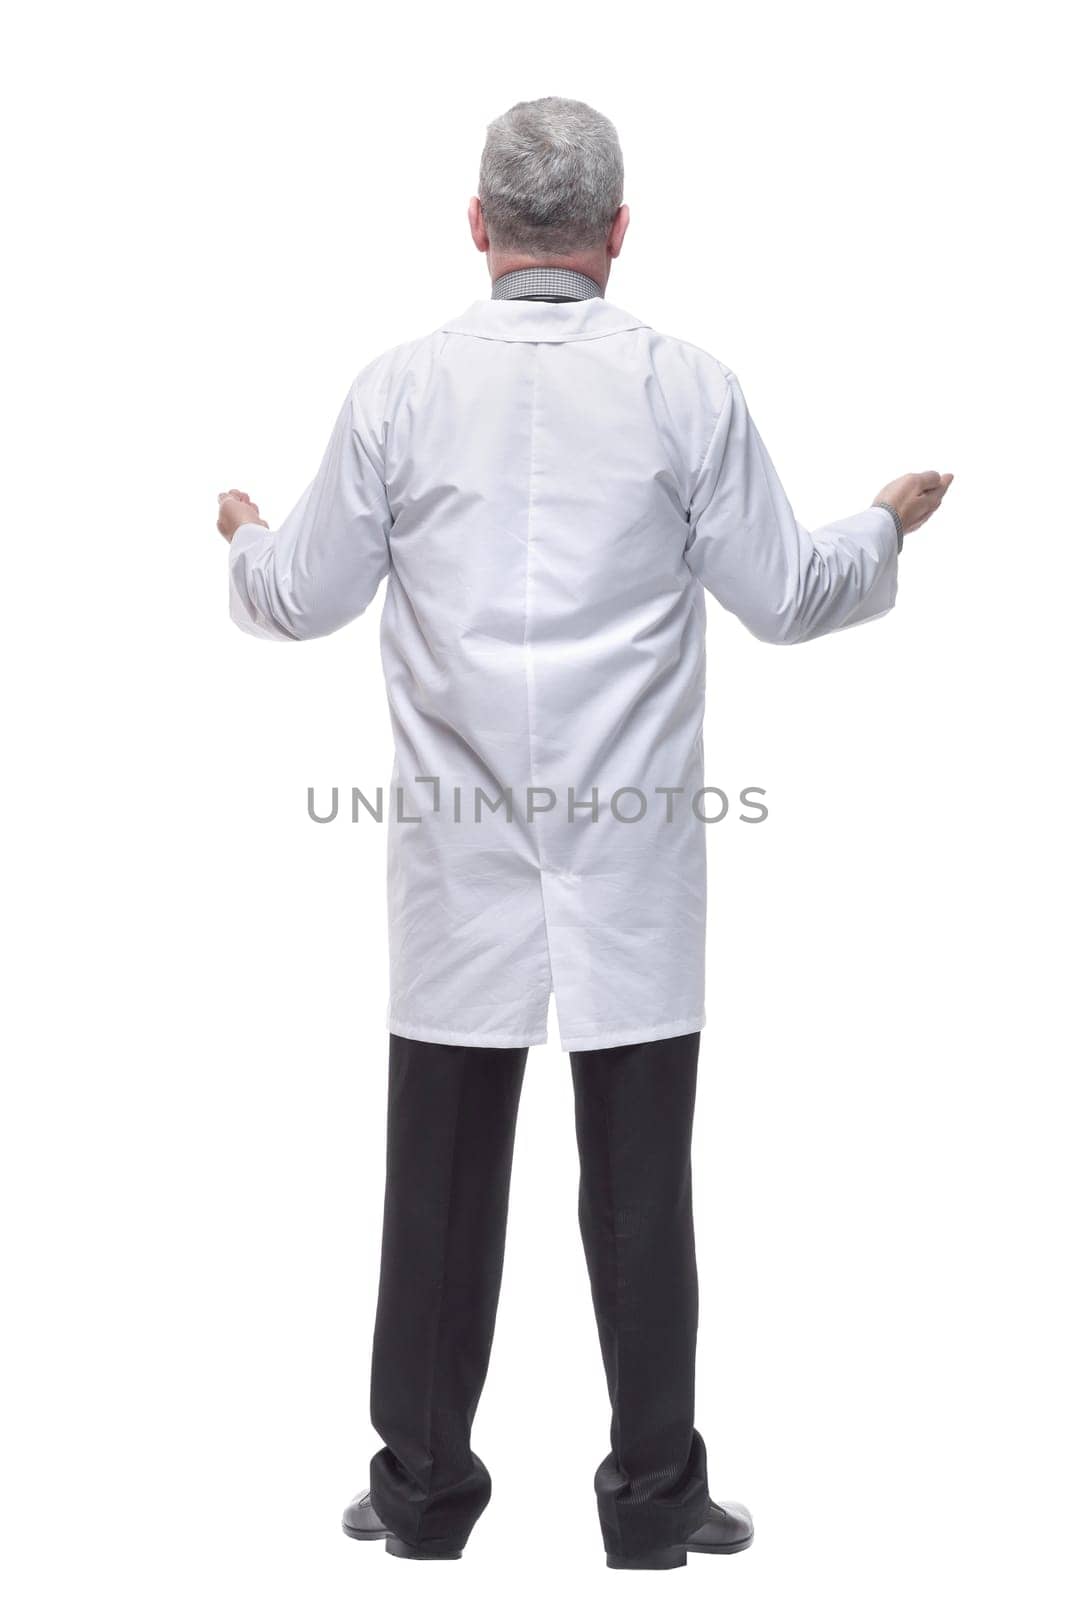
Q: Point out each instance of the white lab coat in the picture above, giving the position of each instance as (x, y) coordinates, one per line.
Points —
(550, 487)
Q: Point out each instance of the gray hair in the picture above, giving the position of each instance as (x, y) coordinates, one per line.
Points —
(551, 177)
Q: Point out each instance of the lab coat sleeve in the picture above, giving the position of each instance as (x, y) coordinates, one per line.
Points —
(322, 566)
(746, 547)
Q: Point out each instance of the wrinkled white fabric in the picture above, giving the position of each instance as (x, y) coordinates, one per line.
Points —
(550, 488)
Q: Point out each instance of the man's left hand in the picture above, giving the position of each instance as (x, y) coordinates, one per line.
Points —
(235, 509)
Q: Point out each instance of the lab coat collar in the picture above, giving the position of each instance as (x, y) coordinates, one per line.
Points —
(542, 321)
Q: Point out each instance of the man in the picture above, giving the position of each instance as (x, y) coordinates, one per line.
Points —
(550, 486)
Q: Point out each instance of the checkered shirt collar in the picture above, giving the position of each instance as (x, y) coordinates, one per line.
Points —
(545, 283)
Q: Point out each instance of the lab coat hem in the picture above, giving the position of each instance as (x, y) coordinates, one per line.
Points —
(495, 1041)
(636, 1034)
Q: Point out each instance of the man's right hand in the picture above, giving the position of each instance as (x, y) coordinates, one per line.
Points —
(235, 509)
(915, 497)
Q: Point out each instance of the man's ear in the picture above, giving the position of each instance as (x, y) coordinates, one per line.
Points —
(618, 231)
(479, 232)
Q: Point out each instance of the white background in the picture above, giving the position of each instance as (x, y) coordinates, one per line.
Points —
(220, 213)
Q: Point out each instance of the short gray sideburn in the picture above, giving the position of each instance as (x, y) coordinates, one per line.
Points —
(551, 178)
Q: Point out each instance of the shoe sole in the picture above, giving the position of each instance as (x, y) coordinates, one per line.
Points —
(721, 1549)
(675, 1555)
(397, 1547)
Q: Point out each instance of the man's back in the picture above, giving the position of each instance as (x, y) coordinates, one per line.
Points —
(539, 461)
(543, 639)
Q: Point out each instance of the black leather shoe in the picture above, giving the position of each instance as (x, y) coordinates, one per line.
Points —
(361, 1521)
(727, 1530)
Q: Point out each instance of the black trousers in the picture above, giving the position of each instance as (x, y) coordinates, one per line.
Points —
(452, 1113)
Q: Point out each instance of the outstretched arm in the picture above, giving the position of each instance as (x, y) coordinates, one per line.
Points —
(784, 583)
(323, 566)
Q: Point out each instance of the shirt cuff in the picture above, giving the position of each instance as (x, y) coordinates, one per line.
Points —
(883, 505)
